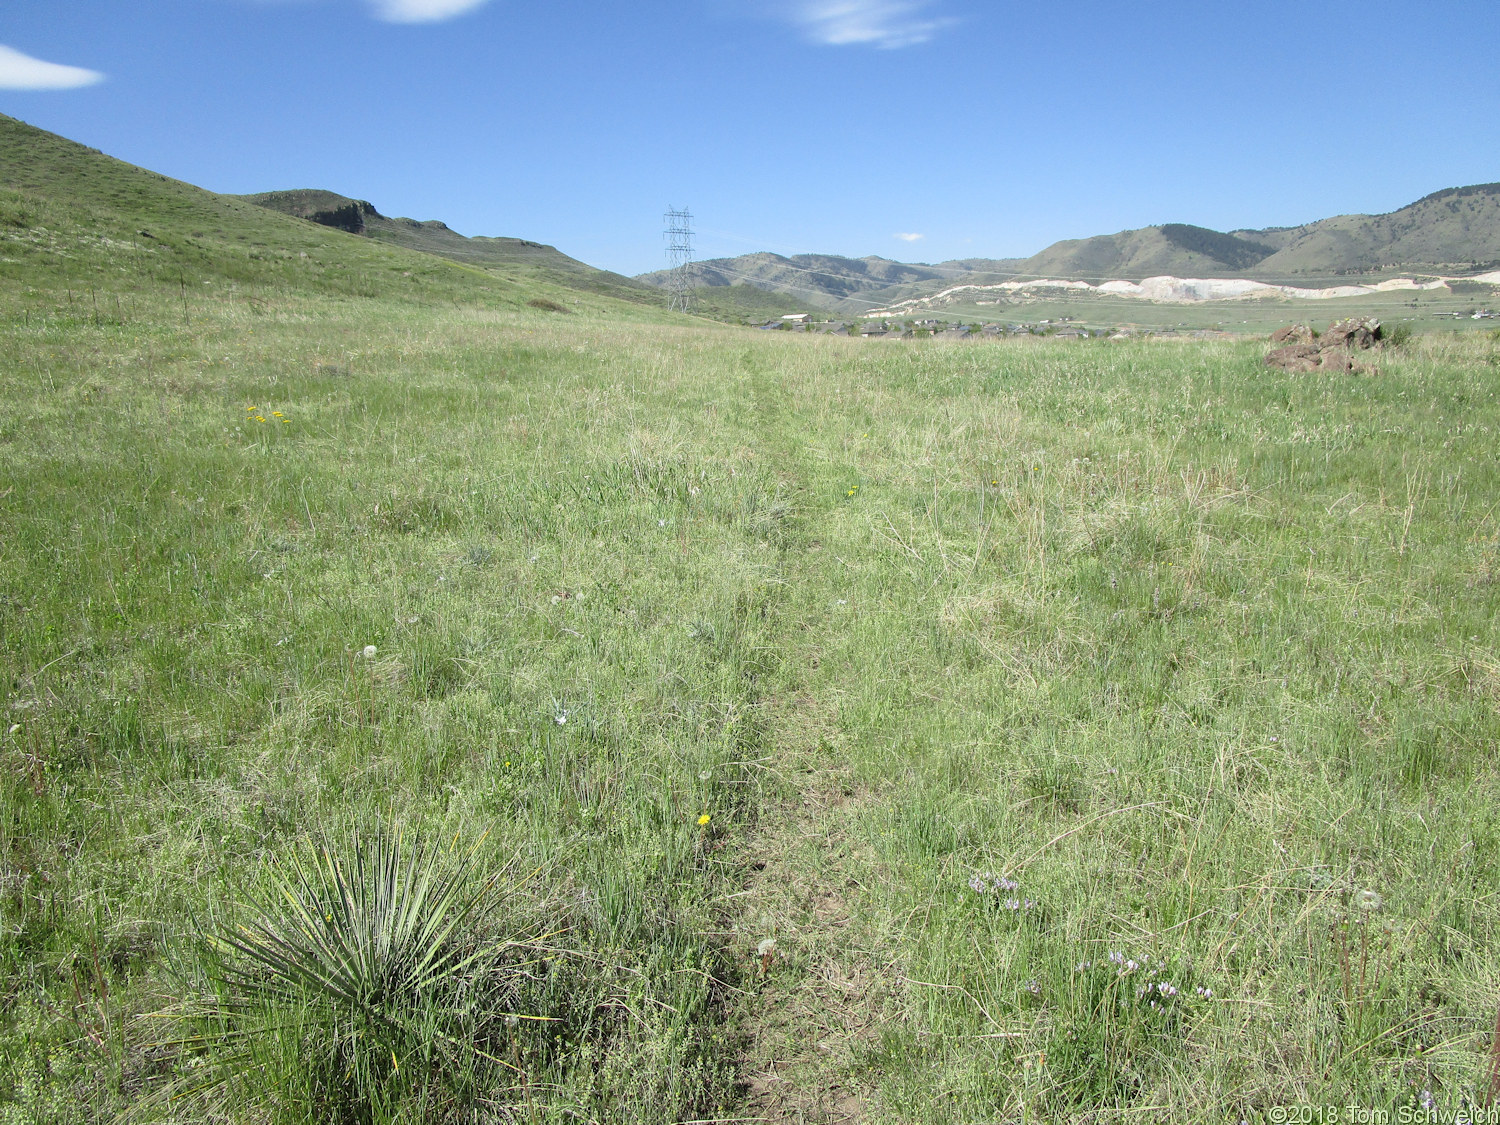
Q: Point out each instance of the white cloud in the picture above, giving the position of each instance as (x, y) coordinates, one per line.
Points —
(22, 72)
(423, 11)
(868, 23)
(911, 237)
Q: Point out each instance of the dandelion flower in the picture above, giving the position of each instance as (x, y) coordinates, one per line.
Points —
(704, 819)
(1368, 900)
(766, 948)
(369, 652)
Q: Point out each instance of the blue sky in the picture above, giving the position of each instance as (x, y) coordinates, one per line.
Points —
(989, 129)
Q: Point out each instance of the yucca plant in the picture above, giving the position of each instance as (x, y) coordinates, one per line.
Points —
(366, 985)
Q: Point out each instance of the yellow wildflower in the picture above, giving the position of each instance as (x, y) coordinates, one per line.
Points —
(704, 819)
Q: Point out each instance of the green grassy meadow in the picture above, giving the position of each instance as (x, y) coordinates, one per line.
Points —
(844, 732)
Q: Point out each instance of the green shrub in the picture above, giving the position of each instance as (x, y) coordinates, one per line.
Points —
(1395, 335)
(367, 986)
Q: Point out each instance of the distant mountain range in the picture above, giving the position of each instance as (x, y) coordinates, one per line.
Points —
(1456, 231)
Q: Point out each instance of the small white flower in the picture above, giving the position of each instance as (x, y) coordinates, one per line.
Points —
(369, 652)
(561, 718)
(1368, 900)
(766, 948)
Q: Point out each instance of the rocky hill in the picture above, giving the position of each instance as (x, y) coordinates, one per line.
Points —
(431, 236)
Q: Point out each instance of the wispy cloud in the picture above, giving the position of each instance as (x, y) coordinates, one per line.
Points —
(911, 237)
(422, 11)
(22, 72)
(868, 23)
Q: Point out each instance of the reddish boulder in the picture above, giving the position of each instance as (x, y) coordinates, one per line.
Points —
(1294, 357)
(1352, 333)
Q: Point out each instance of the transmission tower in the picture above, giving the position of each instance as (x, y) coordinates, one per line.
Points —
(679, 238)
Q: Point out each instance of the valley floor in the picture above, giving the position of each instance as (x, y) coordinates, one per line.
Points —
(1090, 731)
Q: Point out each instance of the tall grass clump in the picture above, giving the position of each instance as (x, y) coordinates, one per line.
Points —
(373, 979)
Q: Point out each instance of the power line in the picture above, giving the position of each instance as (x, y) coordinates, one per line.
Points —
(679, 236)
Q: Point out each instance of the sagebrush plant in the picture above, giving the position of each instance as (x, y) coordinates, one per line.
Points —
(366, 983)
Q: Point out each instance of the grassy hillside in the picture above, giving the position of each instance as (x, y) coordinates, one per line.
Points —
(1452, 231)
(1456, 230)
(101, 233)
(1175, 249)
(809, 729)
(356, 216)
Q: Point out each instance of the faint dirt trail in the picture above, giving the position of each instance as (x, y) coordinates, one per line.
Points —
(817, 1000)
(814, 1005)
